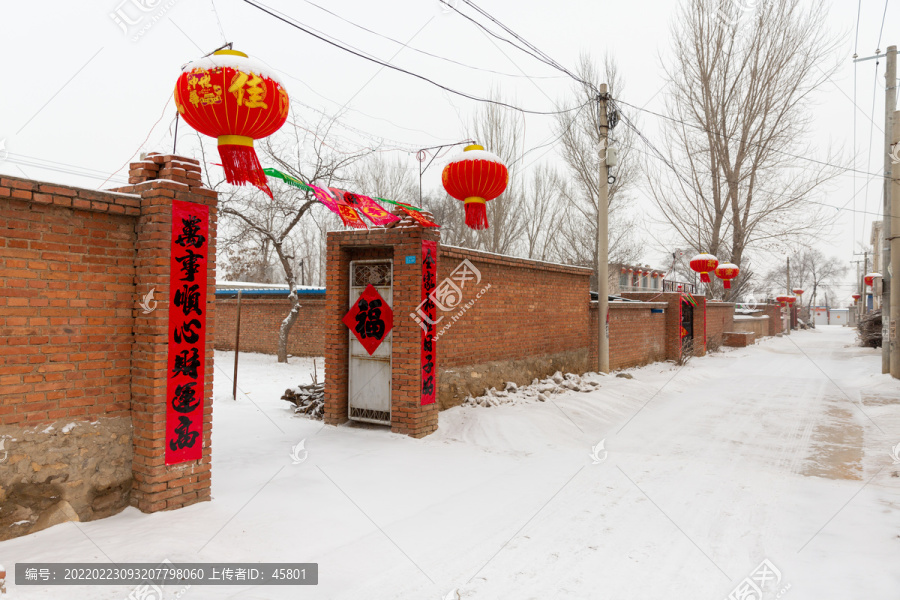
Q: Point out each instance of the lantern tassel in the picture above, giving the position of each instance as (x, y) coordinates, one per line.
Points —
(727, 285)
(704, 277)
(476, 215)
(242, 167)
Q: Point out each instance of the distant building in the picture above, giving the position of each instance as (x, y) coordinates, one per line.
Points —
(634, 278)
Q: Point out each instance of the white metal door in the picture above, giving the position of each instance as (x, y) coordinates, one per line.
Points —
(369, 387)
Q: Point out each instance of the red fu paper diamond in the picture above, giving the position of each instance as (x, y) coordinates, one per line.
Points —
(370, 319)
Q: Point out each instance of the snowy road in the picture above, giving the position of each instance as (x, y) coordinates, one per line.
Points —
(778, 452)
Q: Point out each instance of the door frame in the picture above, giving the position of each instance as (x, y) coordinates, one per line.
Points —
(390, 361)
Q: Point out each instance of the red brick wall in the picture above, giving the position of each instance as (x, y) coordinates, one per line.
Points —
(637, 335)
(720, 319)
(74, 264)
(66, 291)
(673, 320)
(531, 309)
(261, 318)
(776, 320)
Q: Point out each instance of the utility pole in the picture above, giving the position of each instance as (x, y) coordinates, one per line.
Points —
(603, 240)
(890, 104)
(787, 314)
(894, 240)
(865, 271)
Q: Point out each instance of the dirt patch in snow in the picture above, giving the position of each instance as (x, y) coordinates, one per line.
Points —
(837, 447)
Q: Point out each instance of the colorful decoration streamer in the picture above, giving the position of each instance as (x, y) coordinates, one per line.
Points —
(346, 204)
(418, 218)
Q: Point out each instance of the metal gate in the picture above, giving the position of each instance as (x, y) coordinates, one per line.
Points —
(687, 322)
(369, 387)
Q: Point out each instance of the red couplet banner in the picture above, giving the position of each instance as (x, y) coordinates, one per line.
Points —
(187, 332)
(429, 344)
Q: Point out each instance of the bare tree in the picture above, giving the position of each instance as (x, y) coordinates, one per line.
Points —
(581, 149)
(272, 223)
(739, 91)
(811, 270)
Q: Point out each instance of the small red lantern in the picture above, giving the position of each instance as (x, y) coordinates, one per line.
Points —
(726, 272)
(856, 298)
(230, 97)
(786, 300)
(870, 278)
(798, 291)
(704, 263)
(475, 176)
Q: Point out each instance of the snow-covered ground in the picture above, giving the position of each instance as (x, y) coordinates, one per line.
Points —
(675, 484)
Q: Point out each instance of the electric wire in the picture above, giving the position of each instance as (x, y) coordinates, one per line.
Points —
(360, 54)
(450, 60)
(798, 156)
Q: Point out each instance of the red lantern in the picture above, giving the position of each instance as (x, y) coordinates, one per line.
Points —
(726, 272)
(798, 291)
(230, 97)
(856, 298)
(870, 278)
(786, 300)
(475, 176)
(703, 264)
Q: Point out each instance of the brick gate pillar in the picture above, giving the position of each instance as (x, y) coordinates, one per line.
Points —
(404, 240)
(156, 486)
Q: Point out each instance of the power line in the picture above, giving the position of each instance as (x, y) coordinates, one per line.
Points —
(729, 138)
(378, 61)
(450, 60)
(662, 158)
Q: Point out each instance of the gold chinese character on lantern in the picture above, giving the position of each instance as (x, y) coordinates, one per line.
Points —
(202, 91)
(248, 85)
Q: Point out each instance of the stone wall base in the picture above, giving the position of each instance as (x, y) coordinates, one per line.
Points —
(66, 471)
(456, 383)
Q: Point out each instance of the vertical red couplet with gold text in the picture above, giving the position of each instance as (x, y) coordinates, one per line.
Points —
(187, 332)
(429, 344)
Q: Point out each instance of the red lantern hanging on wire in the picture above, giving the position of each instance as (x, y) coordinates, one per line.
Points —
(798, 292)
(786, 300)
(726, 272)
(704, 264)
(870, 278)
(230, 97)
(475, 176)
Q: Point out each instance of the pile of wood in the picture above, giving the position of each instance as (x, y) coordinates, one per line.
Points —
(307, 399)
(870, 330)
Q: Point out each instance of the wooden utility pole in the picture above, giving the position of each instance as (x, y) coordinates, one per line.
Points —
(603, 239)
(787, 314)
(237, 346)
(893, 330)
(890, 104)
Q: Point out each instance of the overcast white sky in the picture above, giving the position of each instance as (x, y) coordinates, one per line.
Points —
(79, 94)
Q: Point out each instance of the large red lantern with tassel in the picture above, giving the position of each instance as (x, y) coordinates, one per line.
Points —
(870, 278)
(704, 264)
(230, 97)
(726, 272)
(475, 176)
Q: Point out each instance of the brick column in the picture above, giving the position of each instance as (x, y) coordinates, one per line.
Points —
(407, 416)
(159, 180)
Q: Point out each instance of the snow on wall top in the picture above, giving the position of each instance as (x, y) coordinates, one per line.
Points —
(247, 65)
